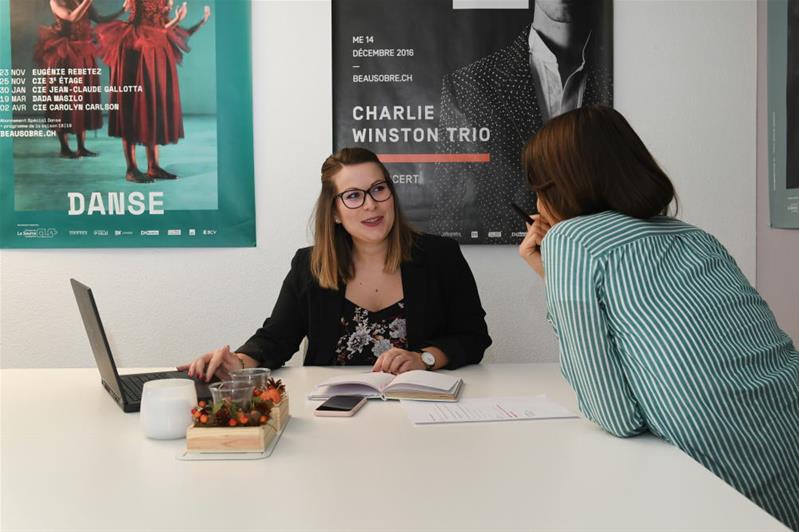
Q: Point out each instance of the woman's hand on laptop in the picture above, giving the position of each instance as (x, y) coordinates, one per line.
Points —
(219, 362)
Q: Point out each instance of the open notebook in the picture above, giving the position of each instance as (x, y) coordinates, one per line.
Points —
(419, 385)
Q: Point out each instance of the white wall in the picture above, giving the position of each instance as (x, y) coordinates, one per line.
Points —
(684, 76)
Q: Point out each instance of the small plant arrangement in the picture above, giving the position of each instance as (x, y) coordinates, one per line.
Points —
(230, 414)
(245, 425)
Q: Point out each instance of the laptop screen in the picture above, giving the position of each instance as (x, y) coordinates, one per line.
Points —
(97, 338)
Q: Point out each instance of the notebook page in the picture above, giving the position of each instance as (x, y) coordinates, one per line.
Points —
(321, 393)
(423, 380)
(375, 380)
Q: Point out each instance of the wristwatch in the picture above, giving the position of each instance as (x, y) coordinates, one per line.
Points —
(429, 360)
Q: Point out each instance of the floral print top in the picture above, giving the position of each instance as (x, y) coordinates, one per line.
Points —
(366, 335)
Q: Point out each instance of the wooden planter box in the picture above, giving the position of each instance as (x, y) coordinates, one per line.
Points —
(280, 413)
(230, 439)
(238, 439)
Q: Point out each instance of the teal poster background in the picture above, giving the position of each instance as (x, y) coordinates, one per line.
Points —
(211, 204)
(783, 112)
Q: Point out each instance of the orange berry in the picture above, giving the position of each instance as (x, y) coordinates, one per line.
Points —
(203, 419)
(201, 404)
(262, 420)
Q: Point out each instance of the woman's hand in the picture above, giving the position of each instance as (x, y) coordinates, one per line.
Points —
(397, 361)
(530, 248)
(219, 362)
(206, 14)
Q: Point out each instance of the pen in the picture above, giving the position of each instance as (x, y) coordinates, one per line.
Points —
(526, 217)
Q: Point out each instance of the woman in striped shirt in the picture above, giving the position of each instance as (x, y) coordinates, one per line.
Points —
(658, 328)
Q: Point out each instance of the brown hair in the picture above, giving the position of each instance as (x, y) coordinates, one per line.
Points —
(590, 160)
(331, 258)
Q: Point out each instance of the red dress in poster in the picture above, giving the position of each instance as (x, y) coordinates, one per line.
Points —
(69, 44)
(143, 54)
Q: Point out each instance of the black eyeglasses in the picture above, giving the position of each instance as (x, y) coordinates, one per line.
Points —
(354, 198)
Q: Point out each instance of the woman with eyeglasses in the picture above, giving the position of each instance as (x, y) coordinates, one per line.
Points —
(659, 330)
(370, 291)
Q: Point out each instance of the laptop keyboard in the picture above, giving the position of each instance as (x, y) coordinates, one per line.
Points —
(132, 384)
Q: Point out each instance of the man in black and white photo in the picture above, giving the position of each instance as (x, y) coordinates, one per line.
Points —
(563, 60)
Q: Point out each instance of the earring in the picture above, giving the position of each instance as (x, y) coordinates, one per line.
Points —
(337, 220)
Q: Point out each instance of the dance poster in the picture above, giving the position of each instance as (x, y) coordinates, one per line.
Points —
(126, 123)
(783, 112)
(447, 93)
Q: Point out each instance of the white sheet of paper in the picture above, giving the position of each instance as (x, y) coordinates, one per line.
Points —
(485, 409)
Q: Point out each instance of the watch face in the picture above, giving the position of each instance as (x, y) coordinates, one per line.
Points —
(428, 358)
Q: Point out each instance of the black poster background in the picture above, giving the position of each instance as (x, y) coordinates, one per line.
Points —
(792, 98)
(434, 45)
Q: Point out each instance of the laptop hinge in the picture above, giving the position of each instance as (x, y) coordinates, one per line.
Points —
(113, 394)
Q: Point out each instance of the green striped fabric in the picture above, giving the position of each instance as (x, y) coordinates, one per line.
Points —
(659, 330)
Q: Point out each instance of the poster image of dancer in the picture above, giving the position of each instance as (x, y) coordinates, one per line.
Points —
(449, 96)
(783, 112)
(144, 52)
(69, 42)
(118, 75)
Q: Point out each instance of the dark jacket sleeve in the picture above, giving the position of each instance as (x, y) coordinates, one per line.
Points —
(280, 335)
(464, 338)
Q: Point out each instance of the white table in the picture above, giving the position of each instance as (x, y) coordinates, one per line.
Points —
(84, 465)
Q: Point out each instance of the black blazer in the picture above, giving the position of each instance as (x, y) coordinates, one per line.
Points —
(442, 309)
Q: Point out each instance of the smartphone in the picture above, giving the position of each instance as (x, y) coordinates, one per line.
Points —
(524, 216)
(340, 406)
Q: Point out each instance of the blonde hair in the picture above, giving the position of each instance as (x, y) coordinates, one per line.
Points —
(331, 257)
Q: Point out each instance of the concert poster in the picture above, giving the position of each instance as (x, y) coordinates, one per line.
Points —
(783, 113)
(447, 93)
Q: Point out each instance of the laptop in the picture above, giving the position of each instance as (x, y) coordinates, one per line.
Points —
(125, 389)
